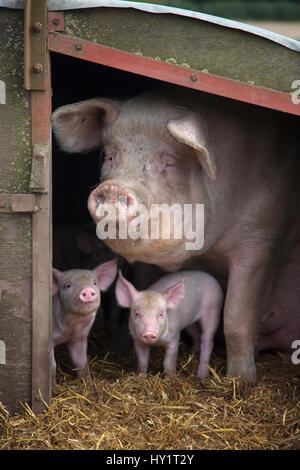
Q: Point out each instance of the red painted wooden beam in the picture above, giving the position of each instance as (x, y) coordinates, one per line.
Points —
(206, 82)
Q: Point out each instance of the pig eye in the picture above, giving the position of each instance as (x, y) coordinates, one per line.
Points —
(95, 282)
(136, 314)
(161, 314)
(110, 160)
(67, 285)
(109, 155)
(167, 162)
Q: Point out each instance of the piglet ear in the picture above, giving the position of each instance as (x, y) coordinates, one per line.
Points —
(56, 275)
(125, 291)
(78, 127)
(174, 294)
(190, 130)
(106, 273)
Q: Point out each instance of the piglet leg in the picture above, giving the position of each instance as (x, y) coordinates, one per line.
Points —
(78, 354)
(142, 352)
(171, 350)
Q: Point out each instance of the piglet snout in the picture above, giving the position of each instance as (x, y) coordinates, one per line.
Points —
(149, 337)
(88, 295)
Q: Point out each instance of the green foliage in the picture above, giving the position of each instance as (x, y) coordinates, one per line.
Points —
(279, 10)
(251, 9)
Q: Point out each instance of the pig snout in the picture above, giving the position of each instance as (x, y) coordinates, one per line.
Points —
(149, 337)
(111, 193)
(88, 295)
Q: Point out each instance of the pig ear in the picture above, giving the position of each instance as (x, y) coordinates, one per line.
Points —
(106, 273)
(125, 291)
(79, 127)
(174, 294)
(189, 130)
(56, 274)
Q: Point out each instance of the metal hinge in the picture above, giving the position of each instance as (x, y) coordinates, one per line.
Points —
(35, 44)
(11, 203)
(39, 182)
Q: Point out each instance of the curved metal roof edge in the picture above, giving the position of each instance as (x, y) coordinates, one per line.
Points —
(56, 5)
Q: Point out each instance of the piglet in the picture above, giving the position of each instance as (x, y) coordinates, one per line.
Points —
(183, 300)
(76, 299)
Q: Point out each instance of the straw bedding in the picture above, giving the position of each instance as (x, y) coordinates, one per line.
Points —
(112, 408)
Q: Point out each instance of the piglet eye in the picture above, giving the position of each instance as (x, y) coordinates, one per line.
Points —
(161, 314)
(67, 285)
(136, 314)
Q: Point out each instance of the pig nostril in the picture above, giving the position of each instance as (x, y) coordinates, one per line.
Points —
(130, 201)
(123, 201)
(88, 295)
(149, 336)
(100, 199)
(127, 201)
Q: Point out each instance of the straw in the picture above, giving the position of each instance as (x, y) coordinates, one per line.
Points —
(112, 408)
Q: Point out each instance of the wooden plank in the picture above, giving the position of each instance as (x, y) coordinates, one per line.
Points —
(42, 257)
(15, 309)
(16, 218)
(15, 150)
(173, 74)
(25, 239)
(200, 45)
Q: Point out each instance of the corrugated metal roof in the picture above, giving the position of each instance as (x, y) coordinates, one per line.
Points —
(160, 9)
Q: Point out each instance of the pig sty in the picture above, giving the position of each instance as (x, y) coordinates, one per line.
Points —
(174, 145)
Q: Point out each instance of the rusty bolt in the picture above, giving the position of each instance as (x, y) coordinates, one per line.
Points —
(194, 77)
(37, 27)
(78, 46)
(37, 68)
